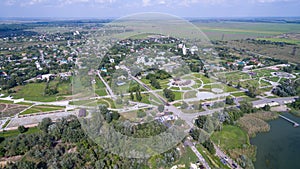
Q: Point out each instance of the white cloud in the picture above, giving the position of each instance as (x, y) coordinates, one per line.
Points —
(146, 2)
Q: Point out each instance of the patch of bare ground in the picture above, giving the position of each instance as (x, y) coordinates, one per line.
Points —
(5, 160)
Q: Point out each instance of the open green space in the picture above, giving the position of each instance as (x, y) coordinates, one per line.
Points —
(187, 157)
(290, 41)
(100, 88)
(13, 133)
(41, 108)
(263, 73)
(35, 92)
(241, 30)
(230, 137)
(6, 102)
(239, 94)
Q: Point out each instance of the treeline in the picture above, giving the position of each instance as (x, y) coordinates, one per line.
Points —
(287, 88)
(64, 144)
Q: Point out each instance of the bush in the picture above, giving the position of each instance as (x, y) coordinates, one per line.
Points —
(22, 129)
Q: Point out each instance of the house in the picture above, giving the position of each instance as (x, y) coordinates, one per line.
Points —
(103, 69)
(122, 77)
(112, 60)
(120, 83)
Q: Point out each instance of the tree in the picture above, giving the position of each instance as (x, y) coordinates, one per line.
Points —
(229, 100)
(161, 108)
(246, 107)
(138, 96)
(252, 92)
(141, 114)
(209, 146)
(169, 94)
(44, 124)
(238, 85)
(131, 95)
(267, 107)
(200, 121)
(22, 129)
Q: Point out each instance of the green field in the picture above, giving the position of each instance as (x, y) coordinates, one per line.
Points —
(241, 30)
(290, 41)
(13, 133)
(230, 137)
(41, 108)
(35, 92)
(188, 157)
(100, 88)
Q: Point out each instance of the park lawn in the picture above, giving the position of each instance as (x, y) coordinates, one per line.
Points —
(177, 104)
(207, 86)
(175, 88)
(100, 87)
(264, 83)
(239, 94)
(230, 137)
(178, 95)
(273, 78)
(34, 92)
(24, 103)
(41, 108)
(187, 157)
(6, 102)
(248, 83)
(64, 89)
(230, 89)
(263, 72)
(189, 94)
(13, 133)
(236, 76)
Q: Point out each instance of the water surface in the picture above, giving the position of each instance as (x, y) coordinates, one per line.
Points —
(279, 148)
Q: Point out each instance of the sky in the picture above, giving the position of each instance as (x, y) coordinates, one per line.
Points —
(119, 8)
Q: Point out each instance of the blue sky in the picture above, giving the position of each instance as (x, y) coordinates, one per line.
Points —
(117, 8)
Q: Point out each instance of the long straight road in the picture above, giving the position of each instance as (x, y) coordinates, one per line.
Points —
(111, 93)
(197, 153)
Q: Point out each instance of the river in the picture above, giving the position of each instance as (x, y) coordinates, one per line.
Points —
(279, 148)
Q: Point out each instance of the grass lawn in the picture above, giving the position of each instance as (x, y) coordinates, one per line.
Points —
(263, 72)
(273, 78)
(239, 94)
(13, 133)
(23, 103)
(33, 91)
(187, 157)
(230, 89)
(39, 109)
(236, 76)
(178, 95)
(100, 88)
(6, 101)
(230, 137)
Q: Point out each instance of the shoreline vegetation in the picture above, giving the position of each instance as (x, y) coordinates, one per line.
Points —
(235, 139)
(256, 122)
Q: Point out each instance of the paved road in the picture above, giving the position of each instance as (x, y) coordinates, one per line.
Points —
(197, 153)
(111, 93)
(220, 154)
